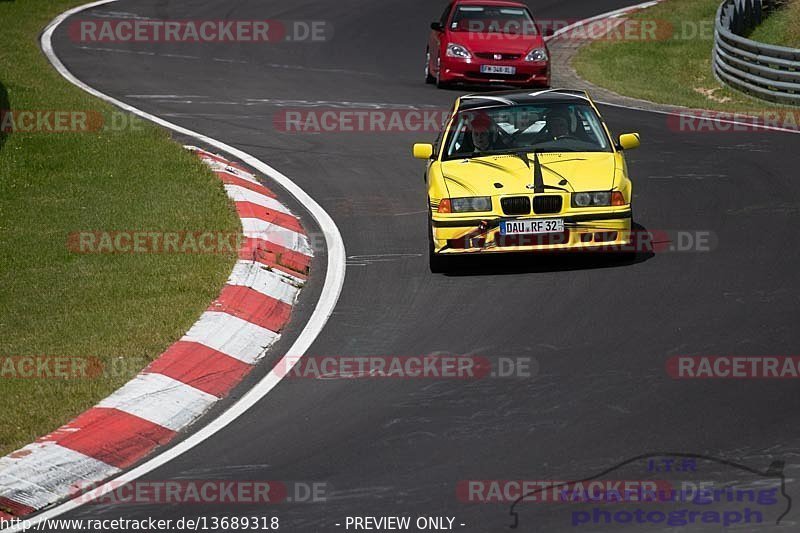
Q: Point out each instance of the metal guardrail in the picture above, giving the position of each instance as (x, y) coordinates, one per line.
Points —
(762, 70)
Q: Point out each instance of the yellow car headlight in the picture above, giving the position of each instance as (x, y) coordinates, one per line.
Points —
(598, 199)
(471, 205)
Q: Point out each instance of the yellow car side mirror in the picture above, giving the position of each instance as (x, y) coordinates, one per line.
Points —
(423, 151)
(629, 141)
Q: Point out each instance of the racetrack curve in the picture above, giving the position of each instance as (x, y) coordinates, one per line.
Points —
(600, 331)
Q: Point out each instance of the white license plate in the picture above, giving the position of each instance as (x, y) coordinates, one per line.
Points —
(532, 227)
(495, 69)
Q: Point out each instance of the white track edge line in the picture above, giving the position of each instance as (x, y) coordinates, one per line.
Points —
(334, 280)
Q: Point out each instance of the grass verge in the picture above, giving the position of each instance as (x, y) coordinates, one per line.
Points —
(123, 309)
(781, 28)
(675, 69)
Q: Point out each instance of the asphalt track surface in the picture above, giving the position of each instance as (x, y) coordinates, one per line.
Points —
(600, 331)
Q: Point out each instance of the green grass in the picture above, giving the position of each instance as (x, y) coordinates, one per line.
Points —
(675, 70)
(123, 308)
(781, 28)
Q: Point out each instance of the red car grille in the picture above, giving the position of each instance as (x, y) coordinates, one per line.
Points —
(503, 57)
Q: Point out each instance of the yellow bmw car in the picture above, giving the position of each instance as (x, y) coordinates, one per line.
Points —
(526, 172)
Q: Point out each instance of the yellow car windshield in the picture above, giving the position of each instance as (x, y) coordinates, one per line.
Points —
(552, 127)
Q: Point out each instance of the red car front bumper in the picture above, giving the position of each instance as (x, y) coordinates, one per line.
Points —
(527, 74)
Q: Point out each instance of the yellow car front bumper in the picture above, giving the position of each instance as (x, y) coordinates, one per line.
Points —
(599, 231)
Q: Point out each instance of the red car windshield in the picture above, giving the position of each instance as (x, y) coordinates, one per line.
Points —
(493, 19)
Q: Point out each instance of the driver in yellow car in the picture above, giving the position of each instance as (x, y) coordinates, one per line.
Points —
(484, 132)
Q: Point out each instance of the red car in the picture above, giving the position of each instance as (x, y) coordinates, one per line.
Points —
(487, 42)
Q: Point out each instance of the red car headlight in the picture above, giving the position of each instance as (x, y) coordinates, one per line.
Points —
(456, 50)
(537, 54)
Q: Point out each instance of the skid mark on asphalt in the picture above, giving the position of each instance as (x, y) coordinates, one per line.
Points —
(759, 296)
(193, 473)
(154, 54)
(137, 52)
(747, 147)
(220, 60)
(768, 209)
(365, 260)
(320, 69)
(690, 177)
(118, 15)
(334, 103)
(211, 115)
(275, 66)
(164, 96)
(119, 50)
(275, 102)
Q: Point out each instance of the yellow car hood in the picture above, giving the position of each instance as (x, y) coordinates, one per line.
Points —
(583, 171)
